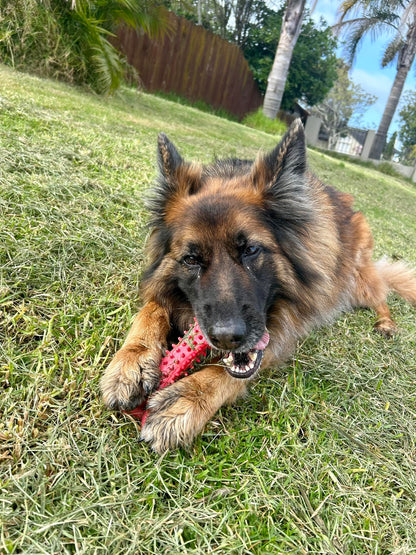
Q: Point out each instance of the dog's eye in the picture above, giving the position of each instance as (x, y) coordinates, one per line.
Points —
(252, 251)
(190, 260)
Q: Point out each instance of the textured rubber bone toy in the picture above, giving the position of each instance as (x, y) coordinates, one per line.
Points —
(177, 361)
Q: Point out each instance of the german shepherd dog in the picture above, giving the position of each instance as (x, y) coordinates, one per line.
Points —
(260, 252)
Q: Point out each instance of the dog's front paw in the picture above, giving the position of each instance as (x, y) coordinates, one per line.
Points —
(131, 376)
(177, 414)
(386, 327)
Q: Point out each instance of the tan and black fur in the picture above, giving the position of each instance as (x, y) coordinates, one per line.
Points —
(243, 246)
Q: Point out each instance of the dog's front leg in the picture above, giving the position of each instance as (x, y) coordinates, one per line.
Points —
(134, 371)
(179, 412)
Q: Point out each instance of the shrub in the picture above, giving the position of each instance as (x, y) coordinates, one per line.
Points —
(258, 120)
(388, 169)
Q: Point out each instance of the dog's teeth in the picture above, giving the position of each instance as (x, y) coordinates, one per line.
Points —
(238, 369)
(252, 356)
(228, 360)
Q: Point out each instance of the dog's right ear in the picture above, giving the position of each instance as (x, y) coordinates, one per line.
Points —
(281, 176)
(168, 158)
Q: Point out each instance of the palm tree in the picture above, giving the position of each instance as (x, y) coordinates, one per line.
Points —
(291, 26)
(375, 17)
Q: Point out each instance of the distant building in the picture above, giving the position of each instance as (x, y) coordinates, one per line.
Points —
(352, 143)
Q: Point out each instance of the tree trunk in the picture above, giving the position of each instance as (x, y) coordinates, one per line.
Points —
(388, 114)
(291, 26)
(332, 141)
(404, 63)
(199, 12)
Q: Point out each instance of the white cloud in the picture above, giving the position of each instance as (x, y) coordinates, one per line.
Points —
(379, 85)
(376, 83)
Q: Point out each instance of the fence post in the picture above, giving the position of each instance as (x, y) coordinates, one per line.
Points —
(312, 127)
(368, 143)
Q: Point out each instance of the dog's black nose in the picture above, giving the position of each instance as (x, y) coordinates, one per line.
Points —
(227, 335)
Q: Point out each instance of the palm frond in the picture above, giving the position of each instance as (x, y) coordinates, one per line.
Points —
(392, 50)
(108, 68)
(366, 5)
(358, 29)
(385, 9)
(349, 7)
(374, 18)
(145, 15)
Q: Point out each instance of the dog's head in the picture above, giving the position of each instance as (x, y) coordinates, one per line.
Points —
(227, 239)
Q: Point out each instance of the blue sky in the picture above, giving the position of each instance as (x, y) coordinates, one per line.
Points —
(367, 70)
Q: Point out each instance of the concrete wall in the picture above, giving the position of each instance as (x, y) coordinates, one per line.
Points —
(312, 127)
(405, 171)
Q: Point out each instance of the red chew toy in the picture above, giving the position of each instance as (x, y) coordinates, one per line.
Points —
(173, 366)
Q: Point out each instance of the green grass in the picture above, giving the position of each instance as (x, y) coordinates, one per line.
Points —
(198, 104)
(320, 458)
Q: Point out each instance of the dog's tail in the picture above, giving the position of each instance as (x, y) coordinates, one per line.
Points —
(399, 278)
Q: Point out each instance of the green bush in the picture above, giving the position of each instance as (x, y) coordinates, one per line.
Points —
(388, 169)
(32, 37)
(257, 120)
(71, 40)
(384, 167)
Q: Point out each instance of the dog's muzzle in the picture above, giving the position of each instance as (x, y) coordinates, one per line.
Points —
(245, 365)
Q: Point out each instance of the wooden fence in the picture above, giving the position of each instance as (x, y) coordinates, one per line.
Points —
(194, 63)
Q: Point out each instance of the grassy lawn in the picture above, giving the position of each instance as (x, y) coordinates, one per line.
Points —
(321, 458)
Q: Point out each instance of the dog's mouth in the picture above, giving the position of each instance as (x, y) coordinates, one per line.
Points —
(245, 365)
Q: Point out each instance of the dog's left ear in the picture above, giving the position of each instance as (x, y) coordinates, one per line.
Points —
(286, 162)
(289, 157)
(281, 177)
(168, 157)
(176, 179)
